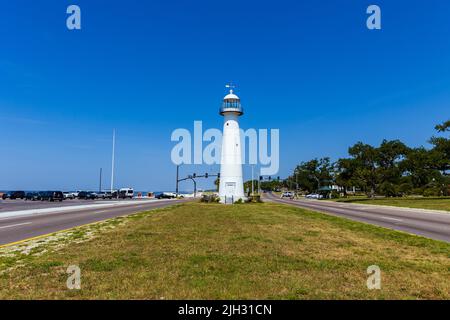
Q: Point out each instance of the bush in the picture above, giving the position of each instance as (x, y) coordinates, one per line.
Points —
(417, 191)
(256, 198)
(388, 189)
(334, 194)
(405, 188)
(213, 198)
(431, 192)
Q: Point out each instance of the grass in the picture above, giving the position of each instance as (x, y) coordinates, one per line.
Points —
(433, 203)
(211, 251)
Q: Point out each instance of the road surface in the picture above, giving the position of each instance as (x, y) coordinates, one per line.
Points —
(434, 225)
(13, 229)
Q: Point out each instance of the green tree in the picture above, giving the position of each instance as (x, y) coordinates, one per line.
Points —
(312, 174)
(440, 154)
(364, 159)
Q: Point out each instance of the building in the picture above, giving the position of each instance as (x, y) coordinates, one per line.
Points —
(231, 187)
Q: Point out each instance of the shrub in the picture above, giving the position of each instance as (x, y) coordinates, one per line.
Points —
(256, 198)
(388, 189)
(417, 191)
(431, 192)
(213, 198)
(334, 194)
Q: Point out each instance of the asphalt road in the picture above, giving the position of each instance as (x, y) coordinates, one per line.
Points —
(416, 221)
(18, 204)
(18, 228)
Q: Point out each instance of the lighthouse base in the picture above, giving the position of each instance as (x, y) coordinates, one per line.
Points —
(232, 200)
(231, 191)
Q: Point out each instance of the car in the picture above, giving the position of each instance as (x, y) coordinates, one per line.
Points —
(69, 195)
(82, 195)
(165, 195)
(6, 195)
(313, 196)
(87, 195)
(33, 196)
(52, 196)
(109, 195)
(287, 195)
(104, 195)
(14, 195)
(125, 193)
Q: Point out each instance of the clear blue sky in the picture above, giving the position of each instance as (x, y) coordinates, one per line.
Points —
(310, 68)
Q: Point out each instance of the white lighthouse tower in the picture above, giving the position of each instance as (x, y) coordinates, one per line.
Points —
(231, 186)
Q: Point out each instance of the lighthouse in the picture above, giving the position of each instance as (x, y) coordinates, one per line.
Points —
(231, 187)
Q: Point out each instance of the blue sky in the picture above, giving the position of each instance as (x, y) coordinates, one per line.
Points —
(311, 69)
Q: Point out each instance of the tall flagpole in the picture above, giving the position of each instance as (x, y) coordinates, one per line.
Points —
(112, 162)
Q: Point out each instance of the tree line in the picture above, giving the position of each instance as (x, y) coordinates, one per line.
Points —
(390, 169)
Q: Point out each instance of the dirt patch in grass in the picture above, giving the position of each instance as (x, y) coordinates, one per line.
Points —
(211, 251)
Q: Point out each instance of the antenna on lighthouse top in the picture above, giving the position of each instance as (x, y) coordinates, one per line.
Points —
(230, 86)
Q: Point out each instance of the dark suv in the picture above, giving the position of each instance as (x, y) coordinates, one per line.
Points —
(33, 196)
(52, 196)
(87, 195)
(14, 195)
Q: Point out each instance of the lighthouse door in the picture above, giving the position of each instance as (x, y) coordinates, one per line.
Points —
(230, 187)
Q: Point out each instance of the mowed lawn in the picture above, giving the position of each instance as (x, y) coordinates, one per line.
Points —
(212, 251)
(422, 203)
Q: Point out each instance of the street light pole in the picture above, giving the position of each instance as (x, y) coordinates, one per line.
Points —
(176, 192)
(100, 184)
(253, 182)
(112, 161)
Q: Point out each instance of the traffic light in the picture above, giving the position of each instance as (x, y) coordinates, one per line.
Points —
(194, 175)
(278, 178)
(218, 175)
(260, 178)
(270, 178)
(206, 175)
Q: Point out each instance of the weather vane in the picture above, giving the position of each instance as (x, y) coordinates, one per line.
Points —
(230, 86)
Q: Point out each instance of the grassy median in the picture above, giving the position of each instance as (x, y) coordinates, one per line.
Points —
(211, 251)
(438, 203)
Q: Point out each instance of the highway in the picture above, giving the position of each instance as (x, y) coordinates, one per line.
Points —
(427, 223)
(13, 229)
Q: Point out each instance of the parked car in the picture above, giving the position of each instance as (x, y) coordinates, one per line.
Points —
(165, 195)
(52, 196)
(126, 193)
(14, 195)
(87, 195)
(6, 195)
(33, 196)
(104, 195)
(69, 195)
(109, 195)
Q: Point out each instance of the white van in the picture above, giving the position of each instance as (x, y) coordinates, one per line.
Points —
(126, 193)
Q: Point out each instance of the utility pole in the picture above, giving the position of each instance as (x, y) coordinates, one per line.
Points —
(195, 187)
(176, 188)
(259, 182)
(253, 180)
(100, 184)
(112, 161)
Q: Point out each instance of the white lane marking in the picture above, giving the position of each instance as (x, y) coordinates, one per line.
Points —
(15, 225)
(393, 219)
